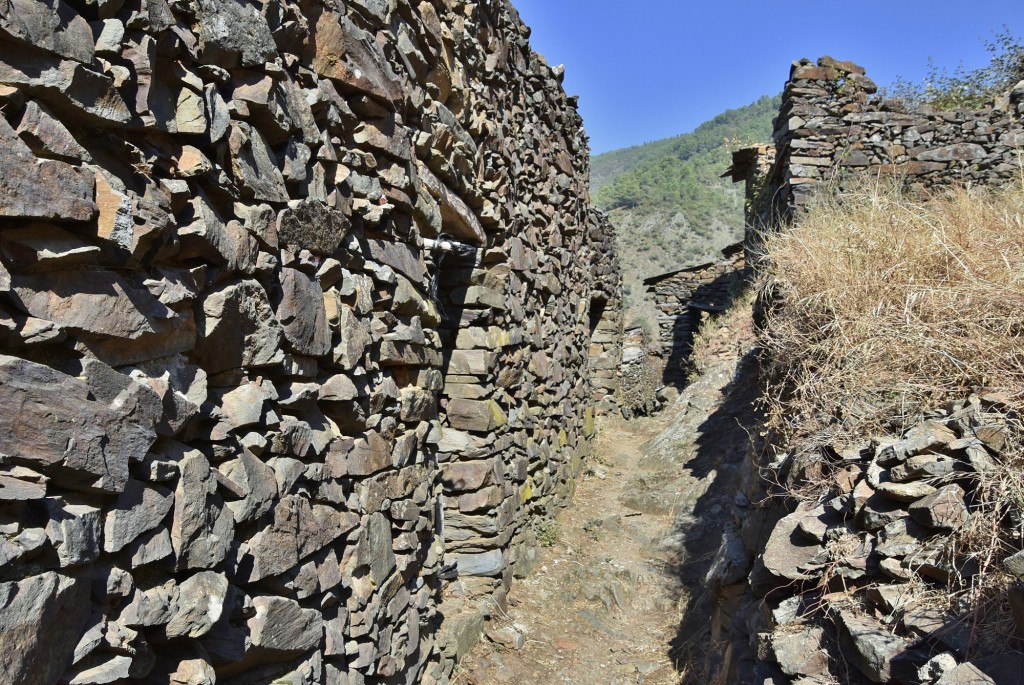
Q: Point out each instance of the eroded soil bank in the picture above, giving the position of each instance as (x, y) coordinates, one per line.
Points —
(618, 598)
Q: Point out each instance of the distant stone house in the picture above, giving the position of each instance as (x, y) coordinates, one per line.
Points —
(684, 298)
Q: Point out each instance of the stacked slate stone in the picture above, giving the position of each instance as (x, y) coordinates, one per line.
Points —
(829, 124)
(684, 299)
(606, 319)
(865, 584)
(640, 377)
(250, 416)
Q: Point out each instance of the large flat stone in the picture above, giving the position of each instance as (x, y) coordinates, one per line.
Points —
(253, 164)
(66, 86)
(44, 188)
(100, 302)
(233, 34)
(298, 530)
(313, 226)
(203, 527)
(48, 24)
(50, 423)
(346, 54)
(138, 509)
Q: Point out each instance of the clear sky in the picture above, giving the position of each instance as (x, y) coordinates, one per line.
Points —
(650, 69)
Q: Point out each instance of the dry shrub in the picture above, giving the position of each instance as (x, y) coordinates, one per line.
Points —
(884, 304)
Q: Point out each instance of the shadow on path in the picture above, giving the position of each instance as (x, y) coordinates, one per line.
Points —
(710, 298)
(722, 444)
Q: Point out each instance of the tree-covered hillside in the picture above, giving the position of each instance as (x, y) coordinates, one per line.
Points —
(668, 202)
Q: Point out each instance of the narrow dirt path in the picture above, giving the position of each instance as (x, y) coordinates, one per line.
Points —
(616, 599)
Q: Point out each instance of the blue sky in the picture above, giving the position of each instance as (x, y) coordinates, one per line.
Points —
(650, 69)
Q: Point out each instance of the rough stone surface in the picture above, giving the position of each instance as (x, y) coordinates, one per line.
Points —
(249, 405)
(40, 620)
(50, 423)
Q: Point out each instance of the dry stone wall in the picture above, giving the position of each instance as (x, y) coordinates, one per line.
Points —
(295, 329)
(684, 299)
(606, 320)
(829, 126)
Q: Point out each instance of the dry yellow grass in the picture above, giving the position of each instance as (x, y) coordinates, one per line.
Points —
(885, 305)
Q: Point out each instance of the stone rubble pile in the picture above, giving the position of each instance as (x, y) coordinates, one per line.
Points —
(872, 581)
(295, 330)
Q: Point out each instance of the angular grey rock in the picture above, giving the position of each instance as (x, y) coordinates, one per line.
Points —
(48, 24)
(48, 137)
(354, 339)
(45, 247)
(800, 653)
(374, 549)
(151, 547)
(869, 646)
(19, 484)
(935, 667)
(338, 388)
(905, 492)
(298, 530)
(476, 416)
(483, 564)
(954, 152)
(151, 607)
(965, 674)
(44, 189)
(240, 407)
(222, 242)
(233, 34)
(74, 531)
(238, 328)
(140, 508)
(136, 402)
(49, 422)
(346, 54)
(786, 554)
(41, 619)
(302, 314)
(199, 605)
(253, 165)
(100, 302)
(203, 526)
(282, 628)
(21, 547)
(258, 482)
(942, 509)
(66, 86)
(181, 386)
(312, 225)
(117, 667)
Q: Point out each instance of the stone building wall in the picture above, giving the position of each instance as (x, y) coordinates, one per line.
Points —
(294, 333)
(684, 299)
(606, 319)
(641, 376)
(829, 127)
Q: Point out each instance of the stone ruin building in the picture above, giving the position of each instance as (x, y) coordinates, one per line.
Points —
(305, 316)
